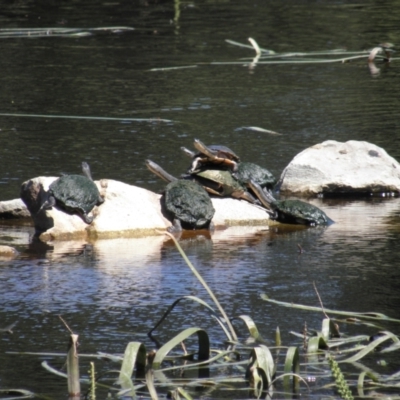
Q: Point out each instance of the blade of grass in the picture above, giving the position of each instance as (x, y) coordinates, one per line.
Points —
(367, 315)
(204, 345)
(74, 386)
(193, 298)
(292, 368)
(251, 326)
(150, 385)
(135, 354)
(371, 347)
(203, 282)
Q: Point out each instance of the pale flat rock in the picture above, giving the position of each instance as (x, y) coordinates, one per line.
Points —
(128, 211)
(13, 209)
(231, 212)
(333, 167)
(7, 252)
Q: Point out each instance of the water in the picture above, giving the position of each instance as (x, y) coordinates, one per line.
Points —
(112, 292)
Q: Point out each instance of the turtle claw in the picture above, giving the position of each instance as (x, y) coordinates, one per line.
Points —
(86, 218)
(175, 227)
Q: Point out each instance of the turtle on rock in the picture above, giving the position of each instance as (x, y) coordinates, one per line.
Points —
(290, 211)
(221, 183)
(247, 171)
(241, 171)
(214, 154)
(75, 194)
(185, 201)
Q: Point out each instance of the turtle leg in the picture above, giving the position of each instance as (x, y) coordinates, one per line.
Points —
(86, 217)
(47, 204)
(176, 226)
(195, 164)
(211, 226)
(100, 200)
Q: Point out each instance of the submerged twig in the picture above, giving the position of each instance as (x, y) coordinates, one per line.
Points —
(255, 46)
(320, 300)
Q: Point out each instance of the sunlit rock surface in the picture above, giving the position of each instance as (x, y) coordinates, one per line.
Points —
(338, 168)
(13, 209)
(128, 211)
(7, 252)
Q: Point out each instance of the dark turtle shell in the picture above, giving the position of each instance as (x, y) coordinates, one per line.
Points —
(247, 171)
(75, 194)
(299, 212)
(188, 202)
(289, 211)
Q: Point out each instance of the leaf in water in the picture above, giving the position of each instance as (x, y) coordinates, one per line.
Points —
(278, 340)
(198, 300)
(204, 345)
(251, 326)
(315, 343)
(371, 347)
(261, 365)
(329, 329)
(74, 386)
(150, 385)
(203, 282)
(135, 354)
(367, 315)
(292, 366)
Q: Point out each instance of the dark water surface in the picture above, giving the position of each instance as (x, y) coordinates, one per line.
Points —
(112, 292)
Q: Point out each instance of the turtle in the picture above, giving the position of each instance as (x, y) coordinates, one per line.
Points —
(75, 194)
(244, 172)
(185, 202)
(247, 171)
(290, 211)
(221, 183)
(213, 154)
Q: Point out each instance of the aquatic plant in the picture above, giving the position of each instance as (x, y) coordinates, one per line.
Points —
(250, 368)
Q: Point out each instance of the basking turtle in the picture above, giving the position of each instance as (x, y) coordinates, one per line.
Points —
(185, 201)
(247, 171)
(221, 183)
(290, 211)
(214, 154)
(75, 194)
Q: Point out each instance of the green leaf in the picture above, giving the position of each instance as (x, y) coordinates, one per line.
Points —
(135, 354)
(316, 343)
(367, 315)
(292, 366)
(204, 345)
(195, 299)
(252, 327)
(261, 368)
(371, 347)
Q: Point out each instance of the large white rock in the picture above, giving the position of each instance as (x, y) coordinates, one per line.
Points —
(341, 168)
(128, 211)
